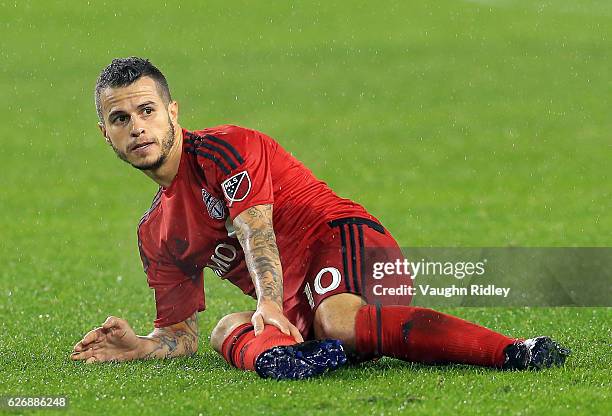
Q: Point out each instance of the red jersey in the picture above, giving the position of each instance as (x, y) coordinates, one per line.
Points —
(223, 171)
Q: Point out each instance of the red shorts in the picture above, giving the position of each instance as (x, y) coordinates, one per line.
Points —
(342, 260)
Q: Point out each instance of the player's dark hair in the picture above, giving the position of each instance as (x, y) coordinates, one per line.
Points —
(125, 71)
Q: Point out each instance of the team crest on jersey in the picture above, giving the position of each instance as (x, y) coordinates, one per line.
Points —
(214, 206)
(237, 187)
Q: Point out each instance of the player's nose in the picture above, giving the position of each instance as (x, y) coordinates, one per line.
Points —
(137, 131)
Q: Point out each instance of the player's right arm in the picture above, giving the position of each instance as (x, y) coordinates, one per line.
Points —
(115, 340)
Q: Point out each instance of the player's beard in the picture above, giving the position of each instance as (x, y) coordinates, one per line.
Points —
(165, 145)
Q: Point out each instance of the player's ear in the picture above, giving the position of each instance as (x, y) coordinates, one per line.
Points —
(173, 110)
(103, 131)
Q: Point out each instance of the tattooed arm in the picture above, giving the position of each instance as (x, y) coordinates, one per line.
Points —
(115, 340)
(172, 341)
(256, 235)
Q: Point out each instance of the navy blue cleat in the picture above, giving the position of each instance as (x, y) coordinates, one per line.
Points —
(534, 353)
(300, 361)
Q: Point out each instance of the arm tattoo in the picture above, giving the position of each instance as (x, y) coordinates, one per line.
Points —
(256, 235)
(175, 340)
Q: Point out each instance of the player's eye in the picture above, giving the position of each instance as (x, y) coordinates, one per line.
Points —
(121, 118)
(148, 110)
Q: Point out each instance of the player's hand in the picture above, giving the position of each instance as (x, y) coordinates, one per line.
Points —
(269, 313)
(113, 341)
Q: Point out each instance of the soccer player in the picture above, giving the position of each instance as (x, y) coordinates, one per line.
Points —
(232, 199)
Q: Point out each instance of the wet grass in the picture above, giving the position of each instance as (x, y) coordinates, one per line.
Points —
(467, 123)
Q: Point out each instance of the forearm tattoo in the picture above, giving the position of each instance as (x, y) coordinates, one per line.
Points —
(176, 340)
(256, 235)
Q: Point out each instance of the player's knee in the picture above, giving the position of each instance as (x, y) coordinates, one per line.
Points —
(329, 327)
(335, 318)
(225, 326)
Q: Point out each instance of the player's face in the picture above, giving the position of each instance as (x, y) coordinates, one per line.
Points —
(138, 125)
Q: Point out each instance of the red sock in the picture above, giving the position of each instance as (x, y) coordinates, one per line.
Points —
(426, 336)
(241, 348)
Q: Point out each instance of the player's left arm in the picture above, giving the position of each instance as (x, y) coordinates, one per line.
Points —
(255, 232)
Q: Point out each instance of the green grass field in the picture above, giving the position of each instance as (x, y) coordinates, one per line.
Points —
(457, 123)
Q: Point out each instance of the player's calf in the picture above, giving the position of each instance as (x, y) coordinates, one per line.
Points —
(226, 326)
(427, 336)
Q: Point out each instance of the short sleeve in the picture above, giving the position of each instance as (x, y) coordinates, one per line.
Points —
(177, 296)
(240, 159)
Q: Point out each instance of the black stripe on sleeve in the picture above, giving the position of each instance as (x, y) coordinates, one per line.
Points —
(378, 329)
(154, 204)
(227, 146)
(230, 353)
(356, 220)
(344, 259)
(190, 135)
(224, 155)
(361, 256)
(192, 138)
(211, 157)
(353, 257)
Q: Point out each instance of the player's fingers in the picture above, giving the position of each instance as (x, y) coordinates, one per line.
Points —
(111, 322)
(295, 333)
(102, 356)
(90, 337)
(91, 360)
(82, 355)
(282, 324)
(84, 345)
(258, 323)
(284, 328)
